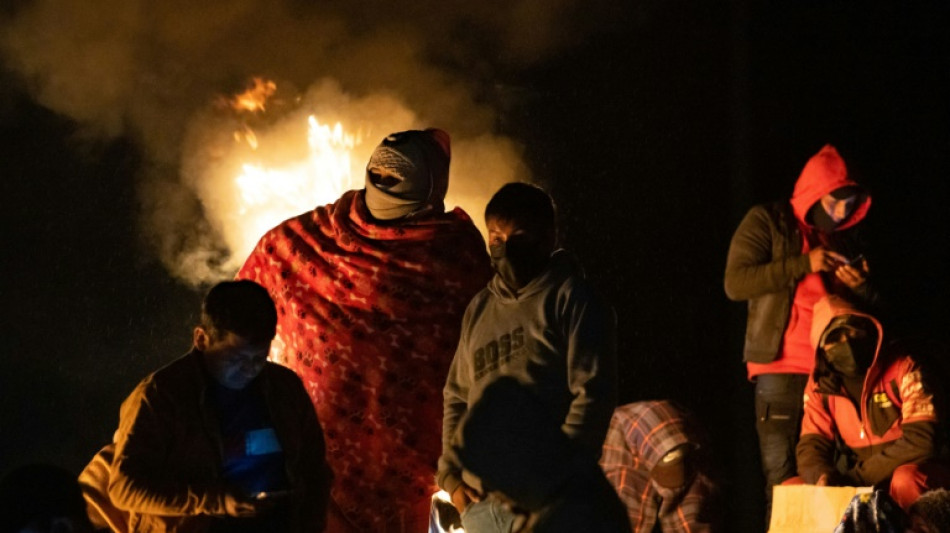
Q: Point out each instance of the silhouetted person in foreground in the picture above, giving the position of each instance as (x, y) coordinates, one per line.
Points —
(510, 439)
(42, 498)
(220, 439)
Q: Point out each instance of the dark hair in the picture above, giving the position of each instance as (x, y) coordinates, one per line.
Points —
(241, 307)
(525, 204)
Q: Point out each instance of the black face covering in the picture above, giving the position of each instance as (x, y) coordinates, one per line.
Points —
(519, 260)
(853, 357)
(822, 219)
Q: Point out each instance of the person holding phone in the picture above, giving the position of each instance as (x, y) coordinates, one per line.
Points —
(219, 439)
(782, 259)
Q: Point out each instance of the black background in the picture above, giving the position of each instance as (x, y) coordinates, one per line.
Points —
(654, 139)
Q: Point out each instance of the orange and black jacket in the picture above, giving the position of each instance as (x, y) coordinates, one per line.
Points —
(894, 425)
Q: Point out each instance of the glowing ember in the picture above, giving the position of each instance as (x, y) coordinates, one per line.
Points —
(254, 98)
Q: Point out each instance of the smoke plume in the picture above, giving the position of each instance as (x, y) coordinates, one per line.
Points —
(156, 73)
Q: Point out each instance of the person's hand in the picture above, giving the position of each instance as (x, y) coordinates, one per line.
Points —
(823, 260)
(853, 276)
(239, 505)
(463, 496)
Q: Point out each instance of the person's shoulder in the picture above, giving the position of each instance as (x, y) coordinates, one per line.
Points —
(181, 373)
(457, 226)
(477, 304)
(575, 284)
(897, 363)
(770, 210)
(278, 371)
(294, 223)
(579, 287)
(481, 296)
(280, 374)
(177, 380)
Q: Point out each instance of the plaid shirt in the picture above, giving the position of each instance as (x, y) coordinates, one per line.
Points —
(640, 435)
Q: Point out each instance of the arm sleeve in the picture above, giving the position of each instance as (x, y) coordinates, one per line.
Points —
(750, 270)
(914, 446)
(591, 369)
(454, 406)
(815, 450)
(138, 482)
(918, 427)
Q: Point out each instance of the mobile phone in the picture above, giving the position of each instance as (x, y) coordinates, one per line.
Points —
(855, 261)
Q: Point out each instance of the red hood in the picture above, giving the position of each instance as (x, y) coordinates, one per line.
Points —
(824, 173)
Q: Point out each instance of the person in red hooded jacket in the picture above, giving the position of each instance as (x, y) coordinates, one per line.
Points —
(783, 258)
(868, 419)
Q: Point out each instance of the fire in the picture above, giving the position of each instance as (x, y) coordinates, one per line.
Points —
(269, 160)
(444, 514)
(254, 98)
(267, 195)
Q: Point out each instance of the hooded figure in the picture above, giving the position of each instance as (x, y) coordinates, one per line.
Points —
(654, 456)
(539, 320)
(408, 174)
(868, 419)
(512, 442)
(783, 258)
(370, 292)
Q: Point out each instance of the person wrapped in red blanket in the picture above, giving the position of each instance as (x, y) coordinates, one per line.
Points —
(370, 292)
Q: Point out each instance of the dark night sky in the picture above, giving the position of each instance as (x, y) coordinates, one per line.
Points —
(654, 138)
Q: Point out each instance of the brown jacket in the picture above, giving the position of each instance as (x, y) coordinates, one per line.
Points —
(166, 470)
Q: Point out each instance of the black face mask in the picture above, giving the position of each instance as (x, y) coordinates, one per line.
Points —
(851, 358)
(519, 260)
(822, 219)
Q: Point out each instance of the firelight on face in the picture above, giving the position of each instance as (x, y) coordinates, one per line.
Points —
(232, 361)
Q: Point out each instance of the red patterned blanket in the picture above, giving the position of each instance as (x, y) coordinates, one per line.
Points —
(369, 317)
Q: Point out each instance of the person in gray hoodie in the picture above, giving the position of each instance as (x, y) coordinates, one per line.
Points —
(539, 321)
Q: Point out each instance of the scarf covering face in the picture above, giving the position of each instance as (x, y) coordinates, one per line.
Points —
(369, 318)
(416, 164)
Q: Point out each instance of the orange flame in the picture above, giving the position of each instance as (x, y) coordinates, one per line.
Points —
(255, 98)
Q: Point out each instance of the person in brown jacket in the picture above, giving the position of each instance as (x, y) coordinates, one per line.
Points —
(220, 439)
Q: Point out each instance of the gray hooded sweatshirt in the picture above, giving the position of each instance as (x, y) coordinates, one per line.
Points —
(557, 336)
